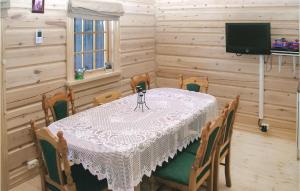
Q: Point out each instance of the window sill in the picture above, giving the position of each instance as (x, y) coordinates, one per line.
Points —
(95, 77)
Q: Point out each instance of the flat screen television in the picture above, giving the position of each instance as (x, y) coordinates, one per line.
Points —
(248, 38)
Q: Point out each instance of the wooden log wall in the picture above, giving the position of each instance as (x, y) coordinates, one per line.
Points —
(190, 40)
(34, 70)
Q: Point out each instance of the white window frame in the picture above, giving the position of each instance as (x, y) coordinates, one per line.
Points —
(96, 74)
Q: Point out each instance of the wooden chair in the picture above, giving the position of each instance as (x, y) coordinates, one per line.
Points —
(189, 172)
(106, 98)
(140, 80)
(56, 172)
(58, 105)
(195, 84)
(225, 149)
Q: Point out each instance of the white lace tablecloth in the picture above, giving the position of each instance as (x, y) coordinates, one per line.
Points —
(115, 142)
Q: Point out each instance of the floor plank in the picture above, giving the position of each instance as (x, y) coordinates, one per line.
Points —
(259, 163)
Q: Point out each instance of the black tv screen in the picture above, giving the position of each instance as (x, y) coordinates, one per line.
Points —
(248, 38)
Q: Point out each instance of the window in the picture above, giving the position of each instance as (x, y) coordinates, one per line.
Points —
(91, 44)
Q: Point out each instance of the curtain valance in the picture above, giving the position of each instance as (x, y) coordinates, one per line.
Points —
(96, 9)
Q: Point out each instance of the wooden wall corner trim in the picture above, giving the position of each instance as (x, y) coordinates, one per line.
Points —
(3, 137)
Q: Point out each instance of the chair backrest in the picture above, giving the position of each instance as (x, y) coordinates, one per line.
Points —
(210, 142)
(59, 105)
(230, 118)
(195, 84)
(140, 80)
(107, 97)
(53, 156)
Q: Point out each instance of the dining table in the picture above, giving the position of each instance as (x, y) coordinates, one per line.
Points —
(120, 144)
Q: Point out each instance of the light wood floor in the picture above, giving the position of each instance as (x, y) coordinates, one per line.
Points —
(259, 163)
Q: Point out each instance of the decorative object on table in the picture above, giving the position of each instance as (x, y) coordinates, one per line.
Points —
(108, 65)
(79, 74)
(282, 44)
(141, 98)
(38, 6)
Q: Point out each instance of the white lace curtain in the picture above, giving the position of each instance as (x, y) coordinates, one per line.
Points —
(95, 9)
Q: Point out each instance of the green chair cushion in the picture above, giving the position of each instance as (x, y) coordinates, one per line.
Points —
(193, 87)
(210, 144)
(179, 169)
(229, 123)
(61, 109)
(85, 181)
(50, 157)
(142, 85)
(193, 147)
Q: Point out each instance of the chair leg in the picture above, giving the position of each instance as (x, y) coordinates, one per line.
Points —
(210, 183)
(227, 170)
(153, 184)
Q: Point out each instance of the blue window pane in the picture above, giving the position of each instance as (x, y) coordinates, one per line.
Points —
(88, 61)
(88, 42)
(78, 60)
(100, 41)
(77, 43)
(100, 59)
(88, 26)
(99, 26)
(78, 25)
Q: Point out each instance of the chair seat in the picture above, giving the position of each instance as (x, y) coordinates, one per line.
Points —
(193, 147)
(85, 181)
(177, 169)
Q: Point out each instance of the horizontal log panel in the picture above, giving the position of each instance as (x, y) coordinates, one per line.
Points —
(95, 84)
(199, 51)
(127, 33)
(21, 174)
(35, 74)
(53, 4)
(137, 56)
(191, 39)
(229, 14)
(133, 20)
(199, 38)
(278, 128)
(286, 26)
(222, 78)
(214, 64)
(19, 137)
(280, 98)
(87, 97)
(228, 3)
(134, 8)
(136, 45)
(19, 97)
(225, 65)
(18, 38)
(21, 155)
(30, 56)
(135, 69)
(23, 18)
(279, 112)
(281, 85)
